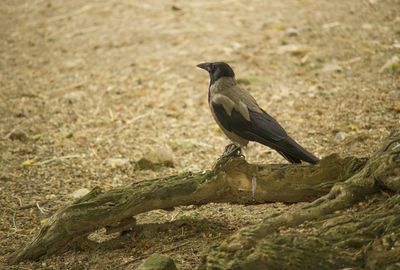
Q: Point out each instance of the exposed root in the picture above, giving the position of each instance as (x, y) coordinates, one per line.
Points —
(230, 182)
(254, 246)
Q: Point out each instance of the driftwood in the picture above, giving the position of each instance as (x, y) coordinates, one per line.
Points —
(340, 182)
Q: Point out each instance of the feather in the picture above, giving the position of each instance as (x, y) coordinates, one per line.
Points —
(263, 129)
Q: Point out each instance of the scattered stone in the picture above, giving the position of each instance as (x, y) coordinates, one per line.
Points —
(117, 162)
(396, 45)
(331, 25)
(392, 65)
(332, 67)
(79, 193)
(18, 135)
(396, 107)
(394, 95)
(73, 63)
(293, 49)
(291, 32)
(50, 197)
(158, 262)
(74, 96)
(175, 8)
(19, 115)
(36, 137)
(157, 157)
(340, 136)
(367, 26)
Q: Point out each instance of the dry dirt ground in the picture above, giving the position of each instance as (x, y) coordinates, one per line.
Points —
(85, 81)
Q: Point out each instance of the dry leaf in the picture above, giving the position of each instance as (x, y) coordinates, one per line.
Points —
(29, 162)
(396, 106)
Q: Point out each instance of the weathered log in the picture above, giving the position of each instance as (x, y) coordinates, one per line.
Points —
(233, 181)
(331, 238)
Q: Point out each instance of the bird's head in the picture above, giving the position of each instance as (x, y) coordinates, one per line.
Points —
(217, 70)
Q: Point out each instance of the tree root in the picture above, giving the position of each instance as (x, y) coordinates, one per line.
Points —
(231, 181)
(341, 241)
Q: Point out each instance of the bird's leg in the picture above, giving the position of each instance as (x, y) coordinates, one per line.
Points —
(232, 150)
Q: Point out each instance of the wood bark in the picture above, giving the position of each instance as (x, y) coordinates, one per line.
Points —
(356, 225)
(233, 180)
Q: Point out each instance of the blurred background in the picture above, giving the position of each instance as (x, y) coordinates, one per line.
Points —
(88, 88)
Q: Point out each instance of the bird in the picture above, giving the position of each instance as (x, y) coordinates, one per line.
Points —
(242, 120)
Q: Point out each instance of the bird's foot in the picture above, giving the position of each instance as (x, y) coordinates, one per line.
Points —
(231, 150)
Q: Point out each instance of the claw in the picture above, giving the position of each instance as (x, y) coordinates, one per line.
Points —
(231, 150)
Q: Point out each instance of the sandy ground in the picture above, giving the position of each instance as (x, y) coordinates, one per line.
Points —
(82, 82)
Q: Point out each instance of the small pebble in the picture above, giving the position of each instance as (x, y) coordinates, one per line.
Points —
(332, 67)
(291, 32)
(79, 193)
(293, 49)
(340, 136)
(75, 96)
(117, 162)
(161, 155)
(18, 135)
(392, 65)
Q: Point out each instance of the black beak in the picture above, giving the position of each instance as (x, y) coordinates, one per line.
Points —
(205, 66)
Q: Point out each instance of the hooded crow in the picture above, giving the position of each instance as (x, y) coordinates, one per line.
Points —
(242, 120)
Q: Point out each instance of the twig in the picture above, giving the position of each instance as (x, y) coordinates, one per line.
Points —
(131, 121)
(174, 216)
(69, 87)
(82, 31)
(351, 61)
(14, 221)
(20, 234)
(19, 201)
(58, 158)
(32, 205)
(132, 261)
(74, 13)
(40, 208)
(176, 247)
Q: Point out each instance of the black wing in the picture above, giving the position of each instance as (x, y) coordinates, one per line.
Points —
(263, 129)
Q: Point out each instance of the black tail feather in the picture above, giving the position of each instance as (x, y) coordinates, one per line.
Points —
(289, 157)
(295, 153)
(291, 150)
